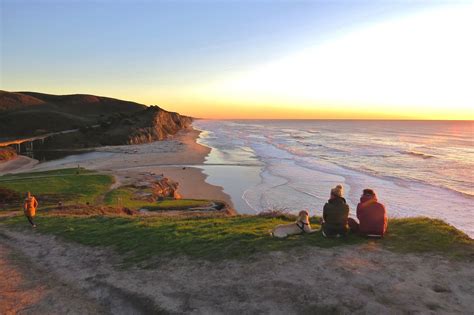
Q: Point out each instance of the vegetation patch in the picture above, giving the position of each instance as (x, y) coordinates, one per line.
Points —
(423, 235)
(125, 197)
(9, 196)
(68, 186)
(141, 238)
(7, 153)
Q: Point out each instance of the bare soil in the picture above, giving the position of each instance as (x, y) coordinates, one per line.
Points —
(27, 289)
(49, 275)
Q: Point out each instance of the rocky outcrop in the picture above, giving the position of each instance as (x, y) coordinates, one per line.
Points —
(155, 124)
(148, 125)
(154, 188)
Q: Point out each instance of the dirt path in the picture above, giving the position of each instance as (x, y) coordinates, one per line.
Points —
(26, 289)
(357, 279)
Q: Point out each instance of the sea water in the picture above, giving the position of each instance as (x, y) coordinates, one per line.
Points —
(417, 168)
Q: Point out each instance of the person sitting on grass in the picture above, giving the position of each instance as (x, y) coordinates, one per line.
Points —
(29, 207)
(335, 214)
(371, 214)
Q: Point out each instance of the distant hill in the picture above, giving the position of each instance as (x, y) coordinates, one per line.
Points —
(10, 101)
(100, 120)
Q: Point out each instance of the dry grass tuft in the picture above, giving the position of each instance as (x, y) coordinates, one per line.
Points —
(88, 210)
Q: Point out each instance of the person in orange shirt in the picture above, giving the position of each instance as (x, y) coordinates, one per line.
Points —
(29, 208)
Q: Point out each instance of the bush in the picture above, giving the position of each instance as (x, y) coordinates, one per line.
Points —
(282, 213)
(7, 153)
(8, 196)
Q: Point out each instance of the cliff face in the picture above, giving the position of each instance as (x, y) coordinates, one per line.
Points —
(148, 125)
(157, 124)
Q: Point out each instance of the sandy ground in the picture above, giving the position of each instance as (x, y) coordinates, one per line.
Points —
(18, 164)
(26, 289)
(348, 280)
(173, 158)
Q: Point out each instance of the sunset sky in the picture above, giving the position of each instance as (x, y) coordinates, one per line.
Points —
(249, 59)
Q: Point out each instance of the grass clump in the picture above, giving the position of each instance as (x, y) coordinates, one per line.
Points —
(124, 197)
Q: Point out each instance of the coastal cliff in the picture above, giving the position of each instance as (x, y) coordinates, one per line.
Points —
(83, 121)
(148, 125)
(156, 124)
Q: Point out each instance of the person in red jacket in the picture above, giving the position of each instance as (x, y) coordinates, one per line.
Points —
(371, 214)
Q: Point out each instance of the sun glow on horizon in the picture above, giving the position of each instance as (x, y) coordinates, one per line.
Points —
(416, 67)
(267, 60)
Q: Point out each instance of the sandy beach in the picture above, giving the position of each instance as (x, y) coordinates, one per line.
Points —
(174, 158)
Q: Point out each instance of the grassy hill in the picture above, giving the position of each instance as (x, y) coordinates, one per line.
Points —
(82, 105)
(25, 114)
(98, 120)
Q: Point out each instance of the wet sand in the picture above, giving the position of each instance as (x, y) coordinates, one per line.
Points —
(174, 158)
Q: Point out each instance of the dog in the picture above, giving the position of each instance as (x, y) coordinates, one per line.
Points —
(299, 227)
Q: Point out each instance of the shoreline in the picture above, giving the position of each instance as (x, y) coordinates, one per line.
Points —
(175, 158)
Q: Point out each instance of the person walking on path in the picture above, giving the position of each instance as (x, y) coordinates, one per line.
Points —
(29, 208)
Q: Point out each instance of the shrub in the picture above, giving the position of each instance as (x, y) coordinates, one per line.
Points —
(7, 153)
(8, 196)
(277, 213)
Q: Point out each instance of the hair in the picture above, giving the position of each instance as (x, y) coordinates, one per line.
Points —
(337, 191)
(369, 192)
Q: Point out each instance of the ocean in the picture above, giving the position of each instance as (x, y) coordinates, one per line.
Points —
(417, 168)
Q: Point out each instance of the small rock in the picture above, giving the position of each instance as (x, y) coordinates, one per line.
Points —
(440, 289)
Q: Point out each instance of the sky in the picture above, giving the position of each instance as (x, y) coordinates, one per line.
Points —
(249, 59)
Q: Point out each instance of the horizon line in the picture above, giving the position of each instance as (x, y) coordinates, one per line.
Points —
(340, 119)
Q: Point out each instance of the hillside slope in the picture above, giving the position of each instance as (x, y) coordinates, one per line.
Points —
(99, 120)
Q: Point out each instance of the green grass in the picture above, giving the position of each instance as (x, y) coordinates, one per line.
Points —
(140, 238)
(428, 235)
(123, 196)
(67, 185)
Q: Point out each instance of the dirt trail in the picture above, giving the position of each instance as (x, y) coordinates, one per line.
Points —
(26, 289)
(353, 279)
